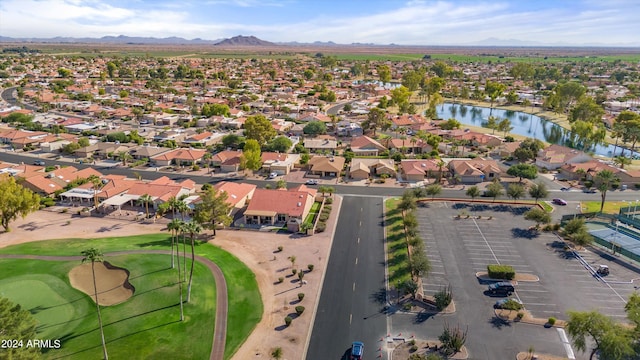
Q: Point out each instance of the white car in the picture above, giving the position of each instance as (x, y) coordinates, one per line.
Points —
(273, 175)
(311, 182)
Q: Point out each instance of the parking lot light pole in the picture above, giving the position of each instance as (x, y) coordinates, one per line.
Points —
(578, 208)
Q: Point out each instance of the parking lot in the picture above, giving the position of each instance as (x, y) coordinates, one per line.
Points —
(459, 248)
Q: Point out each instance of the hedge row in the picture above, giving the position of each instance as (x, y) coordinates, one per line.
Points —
(501, 272)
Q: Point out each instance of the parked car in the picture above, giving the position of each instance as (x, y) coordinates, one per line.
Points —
(509, 303)
(558, 201)
(38, 162)
(503, 287)
(565, 189)
(603, 270)
(357, 348)
(589, 191)
(273, 175)
(311, 182)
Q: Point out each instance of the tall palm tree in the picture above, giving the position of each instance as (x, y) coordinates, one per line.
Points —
(145, 199)
(94, 255)
(174, 227)
(97, 185)
(605, 178)
(180, 231)
(192, 228)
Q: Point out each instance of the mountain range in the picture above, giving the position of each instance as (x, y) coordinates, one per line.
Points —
(241, 40)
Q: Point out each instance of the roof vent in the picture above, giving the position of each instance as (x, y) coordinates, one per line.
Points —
(299, 204)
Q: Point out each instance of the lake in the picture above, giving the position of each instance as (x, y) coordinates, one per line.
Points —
(523, 124)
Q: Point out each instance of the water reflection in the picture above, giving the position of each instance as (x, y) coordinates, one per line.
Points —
(528, 125)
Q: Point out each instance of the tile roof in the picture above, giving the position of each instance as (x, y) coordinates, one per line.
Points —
(291, 203)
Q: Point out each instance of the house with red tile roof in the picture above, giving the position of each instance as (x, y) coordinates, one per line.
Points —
(472, 171)
(203, 139)
(555, 156)
(280, 163)
(366, 146)
(278, 207)
(323, 166)
(590, 170)
(360, 169)
(238, 194)
(179, 157)
(227, 160)
(419, 170)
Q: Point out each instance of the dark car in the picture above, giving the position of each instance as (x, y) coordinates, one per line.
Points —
(559, 201)
(502, 287)
(357, 348)
(590, 191)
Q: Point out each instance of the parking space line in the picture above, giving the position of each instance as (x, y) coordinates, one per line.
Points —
(566, 343)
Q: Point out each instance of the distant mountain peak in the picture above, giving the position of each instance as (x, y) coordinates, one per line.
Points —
(241, 40)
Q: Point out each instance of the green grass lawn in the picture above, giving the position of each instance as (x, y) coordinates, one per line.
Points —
(610, 207)
(146, 325)
(398, 263)
(315, 208)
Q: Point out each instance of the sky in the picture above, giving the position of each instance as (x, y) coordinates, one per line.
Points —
(401, 22)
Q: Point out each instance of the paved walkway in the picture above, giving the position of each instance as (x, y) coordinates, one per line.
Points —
(220, 329)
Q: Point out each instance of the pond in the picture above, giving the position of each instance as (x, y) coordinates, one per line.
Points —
(523, 124)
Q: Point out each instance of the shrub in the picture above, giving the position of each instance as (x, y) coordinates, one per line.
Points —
(443, 298)
(322, 226)
(412, 342)
(551, 321)
(330, 200)
(196, 167)
(501, 272)
(324, 217)
(294, 271)
(520, 315)
(512, 305)
(280, 248)
(637, 185)
(327, 208)
(413, 348)
(280, 279)
(300, 296)
(288, 320)
(299, 310)
(310, 267)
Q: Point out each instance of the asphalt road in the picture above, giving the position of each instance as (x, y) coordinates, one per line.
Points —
(353, 294)
(149, 174)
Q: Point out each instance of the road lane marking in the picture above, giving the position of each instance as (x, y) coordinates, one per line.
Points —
(356, 261)
(566, 343)
(358, 240)
(354, 287)
(350, 318)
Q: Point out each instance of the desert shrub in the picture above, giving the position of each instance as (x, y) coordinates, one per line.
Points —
(288, 320)
(322, 226)
(299, 309)
(520, 315)
(196, 167)
(501, 272)
(443, 298)
(310, 267)
(512, 305)
(300, 296)
(280, 248)
(324, 217)
(280, 279)
(330, 200)
(294, 271)
(413, 348)
(552, 321)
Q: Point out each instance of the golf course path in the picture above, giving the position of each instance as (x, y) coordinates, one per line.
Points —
(220, 329)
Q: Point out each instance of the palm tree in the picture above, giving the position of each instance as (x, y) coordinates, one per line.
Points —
(440, 164)
(124, 156)
(97, 185)
(145, 199)
(192, 228)
(174, 227)
(94, 255)
(622, 161)
(180, 280)
(605, 178)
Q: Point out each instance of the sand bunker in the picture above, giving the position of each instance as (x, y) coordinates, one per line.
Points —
(112, 282)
